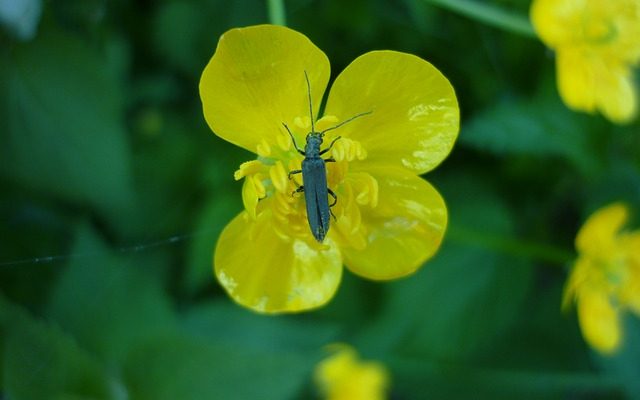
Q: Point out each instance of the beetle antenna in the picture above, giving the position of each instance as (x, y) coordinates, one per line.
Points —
(306, 77)
(346, 121)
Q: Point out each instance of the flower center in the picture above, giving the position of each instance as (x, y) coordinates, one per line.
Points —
(271, 182)
(609, 273)
(598, 30)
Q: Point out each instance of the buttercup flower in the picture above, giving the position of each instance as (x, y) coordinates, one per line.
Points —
(342, 376)
(605, 280)
(596, 43)
(388, 221)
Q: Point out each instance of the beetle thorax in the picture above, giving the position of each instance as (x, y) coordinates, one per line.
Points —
(312, 147)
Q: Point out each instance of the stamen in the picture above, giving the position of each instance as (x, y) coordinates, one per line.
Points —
(284, 141)
(248, 168)
(303, 123)
(347, 149)
(326, 122)
(257, 182)
(279, 177)
(250, 197)
(264, 149)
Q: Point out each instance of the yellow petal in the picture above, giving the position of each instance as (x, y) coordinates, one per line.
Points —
(627, 25)
(617, 94)
(599, 321)
(578, 277)
(610, 27)
(269, 274)
(597, 235)
(342, 376)
(576, 80)
(255, 81)
(556, 22)
(588, 82)
(403, 230)
(415, 115)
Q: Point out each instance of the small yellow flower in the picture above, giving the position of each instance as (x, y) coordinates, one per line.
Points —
(596, 43)
(388, 220)
(342, 376)
(605, 280)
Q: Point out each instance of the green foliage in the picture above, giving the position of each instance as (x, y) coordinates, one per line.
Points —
(456, 290)
(179, 367)
(540, 127)
(113, 192)
(64, 132)
(226, 323)
(624, 365)
(40, 361)
(109, 304)
(211, 220)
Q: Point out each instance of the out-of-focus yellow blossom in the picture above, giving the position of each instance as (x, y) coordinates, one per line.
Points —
(605, 280)
(342, 376)
(388, 222)
(596, 43)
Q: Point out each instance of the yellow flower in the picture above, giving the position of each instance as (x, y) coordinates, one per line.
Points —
(596, 43)
(605, 280)
(342, 376)
(388, 221)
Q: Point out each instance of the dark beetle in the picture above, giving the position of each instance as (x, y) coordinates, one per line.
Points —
(314, 174)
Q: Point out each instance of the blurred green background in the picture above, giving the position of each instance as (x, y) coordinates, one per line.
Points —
(113, 191)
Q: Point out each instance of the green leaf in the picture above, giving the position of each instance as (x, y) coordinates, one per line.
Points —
(184, 367)
(625, 364)
(108, 302)
(544, 338)
(541, 127)
(224, 322)
(42, 362)
(412, 376)
(63, 123)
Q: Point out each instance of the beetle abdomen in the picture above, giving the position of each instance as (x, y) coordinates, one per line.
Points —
(314, 176)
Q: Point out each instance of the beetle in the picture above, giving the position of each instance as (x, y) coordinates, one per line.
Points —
(314, 174)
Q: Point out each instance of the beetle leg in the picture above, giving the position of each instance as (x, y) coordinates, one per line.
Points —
(300, 189)
(295, 171)
(293, 140)
(335, 198)
(330, 145)
(329, 160)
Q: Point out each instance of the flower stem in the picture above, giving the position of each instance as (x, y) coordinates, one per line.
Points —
(488, 14)
(277, 14)
(515, 247)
